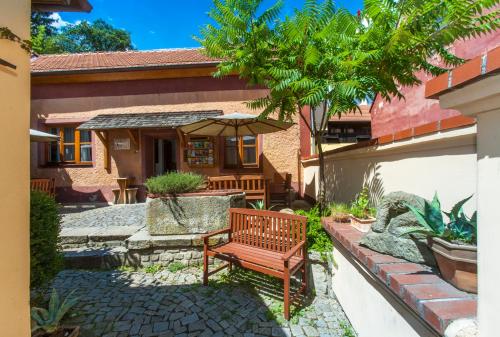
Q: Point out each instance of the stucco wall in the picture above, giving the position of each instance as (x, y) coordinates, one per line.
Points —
(415, 110)
(444, 162)
(279, 151)
(14, 173)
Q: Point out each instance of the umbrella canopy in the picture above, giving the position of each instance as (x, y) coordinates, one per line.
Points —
(235, 124)
(39, 136)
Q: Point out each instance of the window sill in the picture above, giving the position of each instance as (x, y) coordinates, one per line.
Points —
(66, 165)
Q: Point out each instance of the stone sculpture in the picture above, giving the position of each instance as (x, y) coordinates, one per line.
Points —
(393, 217)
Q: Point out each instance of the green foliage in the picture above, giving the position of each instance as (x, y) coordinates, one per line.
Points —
(347, 330)
(176, 266)
(360, 207)
(317, 238)
(460, 227)
(174, 182)
(340, 211)
(260, 205)
(126, 269)
(46, 257)
(49, 320)
(82, 37)
(322, 53)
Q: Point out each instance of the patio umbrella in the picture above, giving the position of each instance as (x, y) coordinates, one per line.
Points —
(234, 125)
(39, 136)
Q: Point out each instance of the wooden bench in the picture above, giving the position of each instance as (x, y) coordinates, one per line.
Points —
(269, 242)
(44, 185)
(255, 186)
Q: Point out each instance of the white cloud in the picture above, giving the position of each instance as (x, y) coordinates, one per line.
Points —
(59, 22)
(152, 32)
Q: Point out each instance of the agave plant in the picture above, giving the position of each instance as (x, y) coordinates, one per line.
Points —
(260, 205)
(459, 228)
(48, 320)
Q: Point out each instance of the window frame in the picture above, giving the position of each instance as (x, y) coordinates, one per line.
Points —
(240, 146)
(76, 143)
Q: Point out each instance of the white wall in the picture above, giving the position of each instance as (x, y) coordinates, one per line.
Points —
(372, 310)
(444, 162)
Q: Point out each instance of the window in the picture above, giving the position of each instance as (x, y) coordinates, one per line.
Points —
(341, 132)
(241, 152)
(74, 146)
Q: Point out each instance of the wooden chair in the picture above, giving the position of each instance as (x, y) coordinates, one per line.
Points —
(44, 185)
(281, 187)
(268, 242)
(254, 186)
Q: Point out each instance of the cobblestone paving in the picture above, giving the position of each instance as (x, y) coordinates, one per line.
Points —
(104, 217)
(121, 303)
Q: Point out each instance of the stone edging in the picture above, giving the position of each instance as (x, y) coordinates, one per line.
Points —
(435, 301)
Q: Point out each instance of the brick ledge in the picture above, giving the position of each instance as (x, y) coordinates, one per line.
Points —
(435, 301)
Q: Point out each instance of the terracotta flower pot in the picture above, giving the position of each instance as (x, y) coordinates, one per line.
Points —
(341, 217)
(65, 331)
(457, 263)
(362, 225)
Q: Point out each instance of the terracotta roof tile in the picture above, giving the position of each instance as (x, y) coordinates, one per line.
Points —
(119, 60)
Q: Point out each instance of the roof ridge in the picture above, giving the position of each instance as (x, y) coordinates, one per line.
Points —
(121, 52)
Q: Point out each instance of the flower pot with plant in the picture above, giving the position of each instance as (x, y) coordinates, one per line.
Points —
(361, 214)
(453, 244)
(47, 322)
(340, 212)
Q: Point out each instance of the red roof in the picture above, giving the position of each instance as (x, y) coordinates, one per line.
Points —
(119, 60)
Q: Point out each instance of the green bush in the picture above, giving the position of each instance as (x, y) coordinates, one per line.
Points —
(360, 206)
(174, 182)
(45, 225)
(317, 238)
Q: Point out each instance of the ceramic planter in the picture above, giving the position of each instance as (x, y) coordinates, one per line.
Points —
(362, 225)
(457, 263)
(65, 331)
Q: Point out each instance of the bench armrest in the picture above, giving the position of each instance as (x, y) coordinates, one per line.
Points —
(288, 255)
(217, 232)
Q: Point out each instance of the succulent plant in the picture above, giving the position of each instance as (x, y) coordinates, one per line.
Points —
(460, 227)
(49, 320)
(259, 205)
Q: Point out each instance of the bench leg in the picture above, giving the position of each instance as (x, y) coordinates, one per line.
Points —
(205, 265)
(286, 295)
(230, 266)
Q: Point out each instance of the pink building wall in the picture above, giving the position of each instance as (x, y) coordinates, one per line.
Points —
(415, 110)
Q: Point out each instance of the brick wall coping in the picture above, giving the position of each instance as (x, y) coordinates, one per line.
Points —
(435, 301)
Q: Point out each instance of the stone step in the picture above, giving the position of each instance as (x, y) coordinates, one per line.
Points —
(98, 258)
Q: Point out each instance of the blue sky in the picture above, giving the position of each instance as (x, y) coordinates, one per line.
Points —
(165, 23)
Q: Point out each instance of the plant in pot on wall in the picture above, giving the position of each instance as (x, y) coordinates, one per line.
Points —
(454, 243)
(47, 322)
(340, 212)
(362, 215)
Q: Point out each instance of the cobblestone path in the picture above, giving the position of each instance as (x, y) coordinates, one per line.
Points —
(173, 303)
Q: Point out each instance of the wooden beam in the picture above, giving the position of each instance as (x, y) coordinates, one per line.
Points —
(134, 137)
(104, 138)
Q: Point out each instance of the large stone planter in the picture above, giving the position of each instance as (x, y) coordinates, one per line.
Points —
(191, 213)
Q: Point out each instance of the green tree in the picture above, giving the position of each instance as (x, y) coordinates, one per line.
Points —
(326, 58)
(42, 19)
(82, 37)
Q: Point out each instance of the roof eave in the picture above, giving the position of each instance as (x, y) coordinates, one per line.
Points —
(125, 69)
(59, 6)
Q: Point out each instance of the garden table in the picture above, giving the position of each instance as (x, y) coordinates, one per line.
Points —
(123, 183)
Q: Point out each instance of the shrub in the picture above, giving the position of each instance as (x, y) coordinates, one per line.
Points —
(317, 238)
(340, 212)
(174, 182)
(45, 225)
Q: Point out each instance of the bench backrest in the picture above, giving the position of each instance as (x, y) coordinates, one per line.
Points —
(43, 185)
(249, 183)
(269, 230)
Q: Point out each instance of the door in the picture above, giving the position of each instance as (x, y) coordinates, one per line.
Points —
(164, 156)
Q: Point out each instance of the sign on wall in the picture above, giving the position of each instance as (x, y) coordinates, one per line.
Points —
(121, 144)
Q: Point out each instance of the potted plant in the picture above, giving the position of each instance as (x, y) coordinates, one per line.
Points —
(361, 214)
(453, 244)
(340, 212)
(47, 322)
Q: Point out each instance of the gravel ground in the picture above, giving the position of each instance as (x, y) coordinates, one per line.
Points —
(104, 217)
(173, 303)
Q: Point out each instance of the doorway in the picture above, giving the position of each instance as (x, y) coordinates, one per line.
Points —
(165, 156)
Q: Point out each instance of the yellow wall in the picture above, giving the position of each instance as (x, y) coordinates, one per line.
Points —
(14, 174)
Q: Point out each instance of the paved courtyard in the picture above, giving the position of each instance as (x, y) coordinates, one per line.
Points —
(173, 303)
